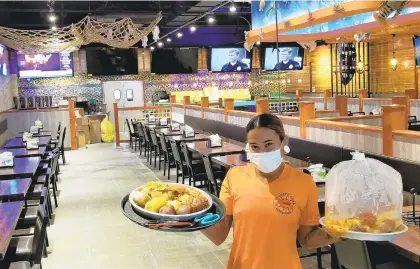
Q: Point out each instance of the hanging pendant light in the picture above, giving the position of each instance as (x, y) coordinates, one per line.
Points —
(394, 62)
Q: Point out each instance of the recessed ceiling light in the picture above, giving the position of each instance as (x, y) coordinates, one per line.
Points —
(54, 28)
(168, 40)
(160, 44)
(258, 43)
(179, 34)
(232, 9)
(152, 48)
(211, 20)
(52, 18)
(193, 28)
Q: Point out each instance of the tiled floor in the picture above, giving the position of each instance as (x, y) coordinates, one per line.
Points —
(90, 232)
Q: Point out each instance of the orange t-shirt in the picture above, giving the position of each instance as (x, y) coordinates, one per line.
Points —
(266, 217)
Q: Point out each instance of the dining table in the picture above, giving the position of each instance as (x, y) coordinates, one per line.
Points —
(180, 138)
(23, 167)
(9, 215)
(229, 161)
(14, 189)
(18, 142)
(225, 149)
(168, 132)
(23, 152)
(408, 244)
(41, 134)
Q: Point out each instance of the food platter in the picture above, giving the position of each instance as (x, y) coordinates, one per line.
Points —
(361, 236)
(128, 210)
(183, 217)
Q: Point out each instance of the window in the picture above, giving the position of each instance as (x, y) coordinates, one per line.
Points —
(130, 95)
(117, 95)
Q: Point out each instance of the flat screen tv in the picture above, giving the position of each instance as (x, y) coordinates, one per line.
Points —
(106, 61)
(290, 57)
(175, 61)
(4, 61)
(46, 65)
(230, 59)
(416, 41)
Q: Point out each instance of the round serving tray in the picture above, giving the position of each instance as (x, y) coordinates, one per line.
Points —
(372, 236)
(127, 209)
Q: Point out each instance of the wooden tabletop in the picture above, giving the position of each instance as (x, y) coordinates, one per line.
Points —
(197, 137)
(24, 167)
(23, 152)
(226, 148)
(14, 189)
(153, 126)
(229, 160)
(18, 142)
(9, 215)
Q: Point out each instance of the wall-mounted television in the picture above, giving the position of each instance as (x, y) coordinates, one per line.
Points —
(230, 59)
(4, 61)
(416, 41)
(106, 61)
(291, 57)
(175, 61)
(46, 65)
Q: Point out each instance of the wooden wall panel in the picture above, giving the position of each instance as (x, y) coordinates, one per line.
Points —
(203, 56)
(144, 57)
(256, 58)
(383, 78)
(407, 148)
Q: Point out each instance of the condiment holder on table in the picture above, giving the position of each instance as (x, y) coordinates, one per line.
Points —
(188, 132)
(214, 141)
(6, 159)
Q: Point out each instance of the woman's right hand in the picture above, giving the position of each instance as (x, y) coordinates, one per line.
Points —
(219, 231)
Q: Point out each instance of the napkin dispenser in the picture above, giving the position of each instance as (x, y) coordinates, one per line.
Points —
(188, 133)
(6, 159)
(32, 143)
(34, 130)
(26, 136)
(163, 122)
(152, 119)
(175, 127)
(214, 141)
(39, 124)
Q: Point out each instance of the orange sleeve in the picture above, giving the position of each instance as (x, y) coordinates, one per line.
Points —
(310, 215)
(226, 194)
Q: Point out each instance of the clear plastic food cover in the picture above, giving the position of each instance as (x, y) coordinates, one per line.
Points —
(363, 195)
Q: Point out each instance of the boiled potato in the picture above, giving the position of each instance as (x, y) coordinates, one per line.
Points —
(167, 209)
(175, 203)
(141, 198)
(184, 209)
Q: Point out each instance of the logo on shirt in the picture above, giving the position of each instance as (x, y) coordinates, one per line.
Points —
(284, 203)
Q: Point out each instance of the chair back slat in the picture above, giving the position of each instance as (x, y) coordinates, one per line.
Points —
(154, 137)
(175, 151)
(187, 156)
(140, 130)
(162, 140)
(214, 188)
(129, 127)
(146, 134)
(135, 126)
(63, 137)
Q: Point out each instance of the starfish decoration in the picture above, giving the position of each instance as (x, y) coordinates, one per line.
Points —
(286, 23)
(310, 17)
(338, 8)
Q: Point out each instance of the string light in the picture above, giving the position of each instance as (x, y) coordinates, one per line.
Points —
(179, 34)
(52, 18)
(54, 28)
(211, 20)
(193, 28)
(168, 40)
(152, 48)
(258, 43)
(160, 44)
(232, 9)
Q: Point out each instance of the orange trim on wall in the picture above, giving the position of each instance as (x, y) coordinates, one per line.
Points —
(216, 110)
(196, 107)
(350, 118)
(394, 118)
(142, 108)
(289, 119)
(343, 125)
(117, 125)
(72, 116)
(406, 133)
(240, 113)
(307, 112)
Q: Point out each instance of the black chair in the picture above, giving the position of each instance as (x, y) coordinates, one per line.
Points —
(157, 148)
(215, 178)
(55, 141)
(141, 136)
(412, 118)
(61, 146)
(148, 144)
(133, 136)
(167, 155)
(29, 247)
(356, 113)
(196, 170)
(181, 168)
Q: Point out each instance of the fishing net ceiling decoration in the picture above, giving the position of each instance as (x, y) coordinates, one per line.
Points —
(120, 34)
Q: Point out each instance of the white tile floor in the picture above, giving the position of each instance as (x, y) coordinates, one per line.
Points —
(90, 231)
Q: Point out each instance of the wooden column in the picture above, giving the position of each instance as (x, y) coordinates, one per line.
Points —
(173, 99)
(299, 93)
(187, 100)
(306, 112)
(262, 106)
(117, 125)
(72, 116)
(341, 104)
(403, 101)
(327, 93)
(411, 93)
(394, 118)
(362, 94)
(228, 106)
(204, 103)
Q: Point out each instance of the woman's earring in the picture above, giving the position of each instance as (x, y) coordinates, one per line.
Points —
(286, 149)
